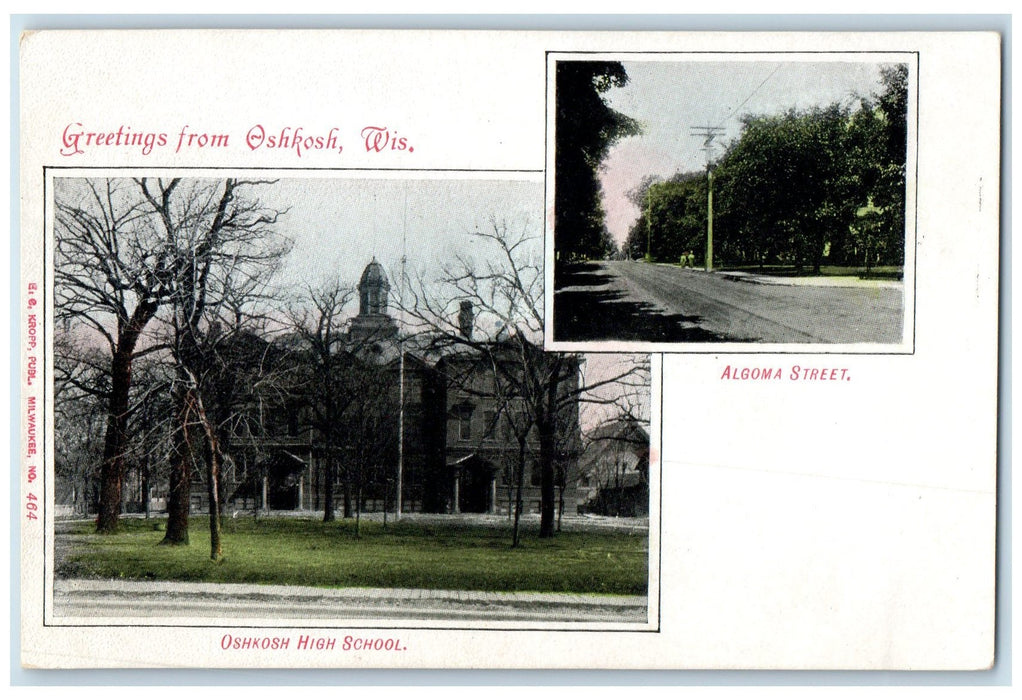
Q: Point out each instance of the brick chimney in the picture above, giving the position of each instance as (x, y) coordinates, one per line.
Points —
(466, 319)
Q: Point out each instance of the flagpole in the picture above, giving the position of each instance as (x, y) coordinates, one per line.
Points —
(401, 432)
(401, 366)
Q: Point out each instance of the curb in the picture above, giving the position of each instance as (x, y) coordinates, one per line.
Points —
(852, 283)
(239, 591)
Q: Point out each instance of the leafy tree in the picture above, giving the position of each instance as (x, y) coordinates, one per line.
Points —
(893, 103)
(875, 176)
(886, 186)
(586, 128)
(672, 218)
(794, 188)
(782, 187)
(822, 182)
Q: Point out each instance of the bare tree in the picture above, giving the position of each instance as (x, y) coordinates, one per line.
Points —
(371, 429)
(569, 449)
(223, 245)
(82, 384)
(317, 319)
(150, 427)
(348, 390)
(537, 389)
(616, 443)
(112, 275)
(245, 370)
(482, 375)
(81, 396)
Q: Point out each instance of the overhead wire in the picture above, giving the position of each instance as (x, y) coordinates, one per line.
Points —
(751, 94)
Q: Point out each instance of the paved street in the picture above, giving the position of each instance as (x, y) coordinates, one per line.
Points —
(626, 300)
(79, 598)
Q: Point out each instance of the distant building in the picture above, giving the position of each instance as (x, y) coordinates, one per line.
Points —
(614, 471)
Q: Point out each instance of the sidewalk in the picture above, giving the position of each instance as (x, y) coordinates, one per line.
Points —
(846, 281)
(114, 598)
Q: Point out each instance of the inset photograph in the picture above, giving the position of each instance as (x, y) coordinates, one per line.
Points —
(327, 399)
(755, 203)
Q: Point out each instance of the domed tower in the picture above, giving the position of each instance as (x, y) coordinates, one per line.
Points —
(373, 321)
(373, 289)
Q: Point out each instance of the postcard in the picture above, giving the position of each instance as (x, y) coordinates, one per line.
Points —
(475, 349)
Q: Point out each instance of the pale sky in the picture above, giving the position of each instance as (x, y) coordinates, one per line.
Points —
(606, 366)
(670, 98)
(339, 225)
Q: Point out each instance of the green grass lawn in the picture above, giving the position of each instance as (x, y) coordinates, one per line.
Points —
(406, 554)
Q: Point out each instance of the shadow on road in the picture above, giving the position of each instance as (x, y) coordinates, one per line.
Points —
(583, 311)
(586, 274)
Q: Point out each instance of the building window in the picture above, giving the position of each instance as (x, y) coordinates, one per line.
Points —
(465, 423)
(489, 424)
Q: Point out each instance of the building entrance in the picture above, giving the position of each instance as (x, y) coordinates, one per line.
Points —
(475, 485)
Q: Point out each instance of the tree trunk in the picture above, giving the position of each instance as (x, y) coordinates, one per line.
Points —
(145, 489)
(560, 506)
(213, 490)
(223, 479)
(358, 511)
(511, 481)
(260, 503)
(347, 496)
(111, 473)
(546, 483)
(179, 498)
(518, 496)
(329, 477)
(112, 470)
(818, 253)
(617, 489)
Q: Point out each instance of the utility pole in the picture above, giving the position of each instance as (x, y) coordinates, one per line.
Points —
(708, 133)
(709, 218)
(649, 226)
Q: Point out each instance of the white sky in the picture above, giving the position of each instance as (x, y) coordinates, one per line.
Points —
(338, 225)
(670, 98)
(606, 366)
